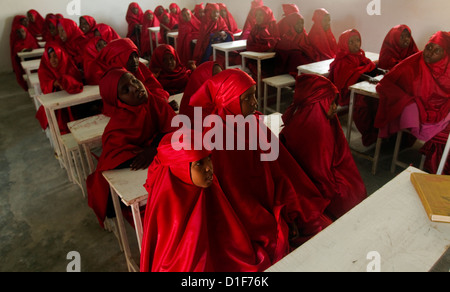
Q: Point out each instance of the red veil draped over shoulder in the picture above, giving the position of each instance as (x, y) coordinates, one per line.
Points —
(266, 195)
(322, 40)
(231, 23)
(130, 129)
(36, 28)
(391, 52)
(306, 125)
(76, 40)
(187, 32)
(133, 19)
(92, 70)
(150, 20)
(105, 31)
(188, 228)
(265, 36)
(172, 81)
(250, 21)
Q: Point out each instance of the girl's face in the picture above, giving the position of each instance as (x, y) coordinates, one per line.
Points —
(166, 19)
(354, 44)
(433, 53)
(22, 33)
(84, 25)
(249, 104)
(259, 17)
(54, 62)
(202, 172)
(405, 39)
(52, 29)
(216, 69)
(31, 17)
(135, 10)
(131, 91)
(149, 16)
(174, 10)
(299, 26)
(100, 45)
(169, 63)
(186, 15)
(215, 15)
(133, 62)
(24, 22)
(62, 33)
(223, 13)
(326, 21)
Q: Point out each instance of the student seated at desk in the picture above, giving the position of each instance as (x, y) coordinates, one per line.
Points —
(213, 30)
(168, 24)
(73, 40)
(130, 139)
(168, 69)
(150, 20)
(277, 192)
(397, 46)
(349, 67)
(134, 18)
(415, 95)
(250, 21)
(50, 32)
(36, 23)
(199, 11)
(21, 40)
(189, 225)
(92, 70)
(310, 121)
(91, 29)
(188, 30)
(321, 35)
(58, 72)
(175, 12)
(294, 48)
(229, 19)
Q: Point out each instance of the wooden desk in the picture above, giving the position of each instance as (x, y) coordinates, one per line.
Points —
(154, 30)
(33, 82)
(177, 98)
(30, 65)
(36, 53)
(228, 47)
(62, 99)
(258, 56)
(391, 222)
(173, 35)
(127, 185)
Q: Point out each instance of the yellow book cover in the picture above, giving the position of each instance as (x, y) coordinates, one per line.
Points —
(434, 192)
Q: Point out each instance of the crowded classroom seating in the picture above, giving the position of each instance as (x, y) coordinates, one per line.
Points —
(213, 207)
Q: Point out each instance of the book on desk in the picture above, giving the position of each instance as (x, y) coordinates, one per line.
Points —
(434, 192)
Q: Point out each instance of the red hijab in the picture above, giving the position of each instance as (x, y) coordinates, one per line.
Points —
(348, 67)
(188, 228)
(265, 36)
(76, 40)
(116, 55)
(391, 53)
(92, 70)
(231, 23)
(187, 31)
(332, 169)
(171, 25)
(130, 129)
(46, 34)
(250, 20)
(37, 27)
(197, 9)
(323, 41)
(172, 81)
(177, 15)
(288, 9)
(133, 19)
(413, 80)
(106, 32)
(145, 35)
(275, 192)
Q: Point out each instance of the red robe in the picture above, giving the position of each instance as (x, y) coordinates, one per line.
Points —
(166, 27)
(175, 15)
(36, 28)
(133, 20)
(130, 129)
(306, 125)
(188, 228)
(265, 36)
(187, 32)
(145, 33)
(231, 23)
(46, 34)
(106, 32)
(323, 41)
(172, 81)
(92, 70)
(266, 195)
(250, 21)
(76, 40)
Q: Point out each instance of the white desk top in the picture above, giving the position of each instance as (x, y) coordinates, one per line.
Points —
(391, 221)
(258, 55)
(365, 88)
(33, 78)
(172, 34)
(231, 46)
(89, 129)
(62, 99)
(154, 29)
(31, 64)
(34, 53)
(129, 184)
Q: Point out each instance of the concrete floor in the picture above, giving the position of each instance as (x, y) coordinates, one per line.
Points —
(43, 216)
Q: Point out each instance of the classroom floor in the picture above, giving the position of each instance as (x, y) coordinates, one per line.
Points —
(43, 216)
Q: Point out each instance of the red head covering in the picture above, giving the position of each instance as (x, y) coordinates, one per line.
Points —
(231, 23)
(133, 19)
(332, 169)
(288, 9)
(250, 20)
(158, 13)
(106, 32)
(347, 67)
(264, 36)
(47, 36)
(76, 41)
(197, 9)
(145, 35)
(172, 81)
(176, 16)
(323, 41)
(165, 27)
(130, 130)
(391, 53)
(36, 27)
(92, 70)
(187, 31)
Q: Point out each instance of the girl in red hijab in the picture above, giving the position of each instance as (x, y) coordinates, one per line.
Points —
(294, 48)
(397, 46)
(268, 196)
(50, 31)
(190, 226)
(321, 36)
(21, 40)
(288, 9)
(131, 136)
(167, 24)
(250, 21)
(36, 23)
(91, 29)
(415, 95)
(58, 72)
(229, 19)
(350, 66)
(188, 30)
(168, 69)
(175, 12)
(311, 121)
(123, 53)
(199, 11)
(134, 18)
(73, 39)
(92, 70)
(213, 30)
(150, 20)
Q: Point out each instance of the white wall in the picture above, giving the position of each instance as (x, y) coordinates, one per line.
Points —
(106, 11)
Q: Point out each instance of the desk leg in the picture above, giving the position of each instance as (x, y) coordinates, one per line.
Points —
(214, 55)
(53, 126)
(151, 42)
(132, 267)
(376, 156)
(226, 60)
(89, 160)
(137, 223)
(259, 83)
(350, 115)
(265, 98)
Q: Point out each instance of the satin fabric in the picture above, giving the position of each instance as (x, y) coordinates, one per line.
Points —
(46, 34)
(76, 40)
(37, 27)
(306, 125)
(433, 150)
(265, 36)
(92, 70)
(207, 29)
(130, 129)
(250, 21)
(266, 195)
(172, 81)
(323, 41)
(391, 53)
(171, 25)
(175, 15)
(288, 9)
(187, 32)
(116, 55)
(145, 34)
(188, 228)
(230, 21)
(197, 10)
(133, 20)
(106, 31)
